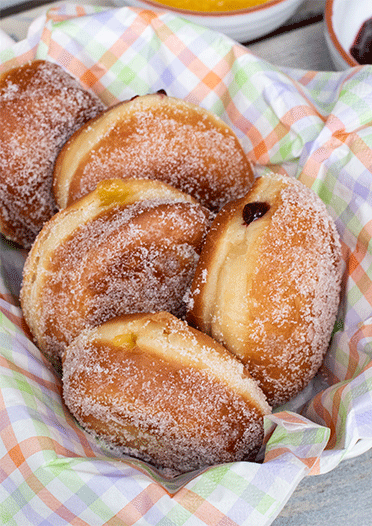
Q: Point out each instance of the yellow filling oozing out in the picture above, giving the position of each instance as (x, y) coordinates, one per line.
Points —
(113, 191)
(212, 5)
(128, 340)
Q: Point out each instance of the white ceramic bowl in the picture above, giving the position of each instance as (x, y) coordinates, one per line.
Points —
(343, 20)
(243, 25)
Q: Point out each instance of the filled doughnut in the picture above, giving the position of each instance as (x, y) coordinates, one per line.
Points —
(40, 107)
(156, 137)
(164, 392)
(267, 285)
(128, 246)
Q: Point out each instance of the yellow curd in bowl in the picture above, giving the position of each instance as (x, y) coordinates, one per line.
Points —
(212, 5)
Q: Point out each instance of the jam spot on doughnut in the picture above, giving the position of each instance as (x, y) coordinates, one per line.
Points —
(253, 211)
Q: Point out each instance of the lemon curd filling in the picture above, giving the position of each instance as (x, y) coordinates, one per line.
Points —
(212, 5)
(127, 340)
(112, 192)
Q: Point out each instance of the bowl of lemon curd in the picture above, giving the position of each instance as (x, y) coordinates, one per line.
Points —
(242, 20)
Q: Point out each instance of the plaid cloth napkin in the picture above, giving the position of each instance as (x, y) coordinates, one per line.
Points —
(315, 126)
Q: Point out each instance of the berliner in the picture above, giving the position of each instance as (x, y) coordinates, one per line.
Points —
(128, 246)
(163, 392)
(267, 285)
(40, 107)
(156, 137)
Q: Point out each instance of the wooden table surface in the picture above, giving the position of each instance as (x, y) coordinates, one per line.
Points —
(342, 497)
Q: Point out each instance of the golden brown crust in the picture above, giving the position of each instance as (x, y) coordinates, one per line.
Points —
(155, 137)
(269, 291)
(129, 246)
(164, 392)
(40, 107)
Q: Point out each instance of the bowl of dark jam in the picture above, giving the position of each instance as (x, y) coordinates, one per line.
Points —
(348, 32)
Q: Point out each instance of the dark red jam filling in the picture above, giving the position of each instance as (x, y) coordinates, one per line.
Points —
(159, 92)
(361, 49)
(253, 211)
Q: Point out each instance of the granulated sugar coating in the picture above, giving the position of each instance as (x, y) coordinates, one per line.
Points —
(156, 137)
(40, 108)
(163, 392)
(106, 256)
(269, 290)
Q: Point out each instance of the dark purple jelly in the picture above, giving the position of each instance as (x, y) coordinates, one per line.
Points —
(361, 49)
(253, 211)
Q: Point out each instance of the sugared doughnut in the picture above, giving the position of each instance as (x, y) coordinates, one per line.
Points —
(155, 137)
(128, 246)
(40, 107)
(267, 284)
(163, 392)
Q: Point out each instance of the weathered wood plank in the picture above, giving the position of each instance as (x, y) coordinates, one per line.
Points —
(341, 497)
(303, 48)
